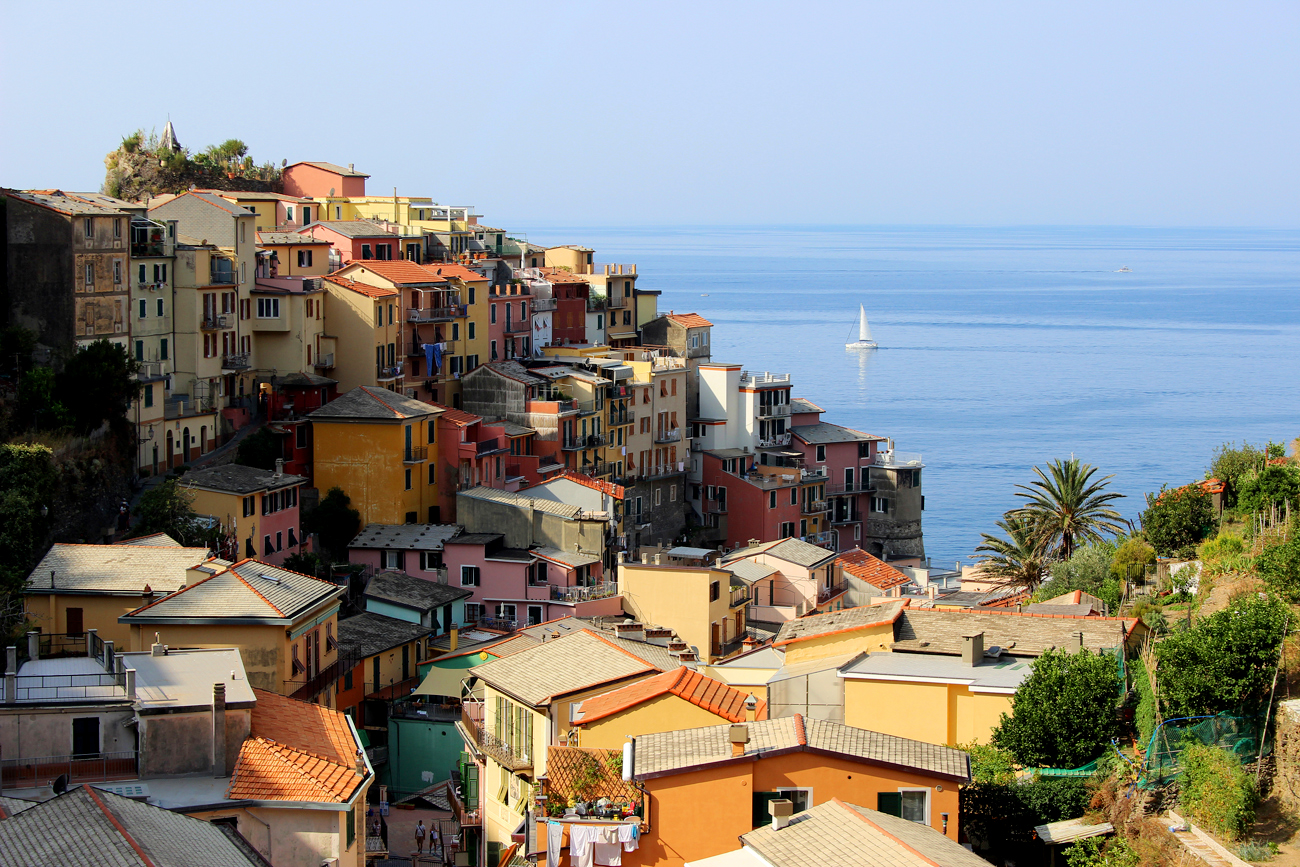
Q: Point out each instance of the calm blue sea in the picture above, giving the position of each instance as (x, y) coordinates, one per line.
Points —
(1003, 348)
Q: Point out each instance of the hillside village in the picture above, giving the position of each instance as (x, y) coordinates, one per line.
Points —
(452, 548)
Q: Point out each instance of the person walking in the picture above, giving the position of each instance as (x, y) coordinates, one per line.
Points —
(420, 832)
(435, 843)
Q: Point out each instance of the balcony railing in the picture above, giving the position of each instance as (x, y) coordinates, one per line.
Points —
(898, 459)
(852, 516)
(40, 771)
(217, 321)
(573, 443)
(519, 326)
(776, 441)
(415, 454)
(663, 470)
(573, 595)
(600, 468)
(739, 597)
(748, 378)
(715, 507)
(620, 418)
(218, 275)
(774, 411)
(668, 436)
(595, 441)
(516, 758)
(543, 305)
(501, 624)
(416, 350)
(307, 689)
(727, 648)
(825, 539)
(813, 507)
(589, 407)
(324, 362)
(862, 486)
(825, 594)
(434, 314)
(238, 361)
(469, 816)
(148, 249)
(385, 373)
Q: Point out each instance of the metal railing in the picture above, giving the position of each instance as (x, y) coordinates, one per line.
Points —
(589, 407)
(831, 592)
(543, 305)
(595, 441)
(898, 459)
(765, 378)
(434, 314)
(660, 471)
(772, 442)
(620, 418)
(862, 486)
(518, 326)
(600, 468)
(218, 276)
(813, 507)
(308, 688)
(572, 595)
(773, 411)
(852, 516)
(237, 361)
(826, 538)
(40, 771)
(148, 249)
(415, 454)
(504, 624)
(215, 321)
(512, 757)
(384, 371)
(573, 443)
(668, 436)
(324, 362)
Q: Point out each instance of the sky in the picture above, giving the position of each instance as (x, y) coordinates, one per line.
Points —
(695, 113)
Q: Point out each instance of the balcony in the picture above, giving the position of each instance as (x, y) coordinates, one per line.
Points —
(308, 688)
(324, 362)
(40, 771)
(668, 436)
(148, 249)
(824, 539)
(384, 373)
(435, 314)
(727, 648)
(739, 597)
(467, 815)
(221, 272)
(217, 321)
(237, 361)
(664, 470)
(774, 411)
(715, 507)
(416, 349)
(415, 454)
(826, 594)
(621, 418)
(500, 624)
(749, 379)
(519, 326)
(573, 443)
(898, 459)
(543, 305)
(813, 507)
(595, 441)
(600, 468)
(851, 516)
(775, 442)
(589, 407)
(515, 758)
(574, 595)
(862, 486)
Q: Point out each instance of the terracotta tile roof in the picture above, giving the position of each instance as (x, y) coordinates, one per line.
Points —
(701, 691)
(873, 570)
(690, 320)
(615, 491)
(402, 271)
(296, 751)
(457, 417)
(460, 272)
(835, 622)
(560, 275)
(364, 288)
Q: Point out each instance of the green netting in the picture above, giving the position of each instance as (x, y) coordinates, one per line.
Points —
(1087, 770)
(1236, 734)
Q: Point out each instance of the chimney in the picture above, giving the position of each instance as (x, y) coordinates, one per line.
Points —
(361, 762)
(156, 649)
(972, 648)
(33, 646)
(218, 729)
(11, 675)
(279, 467)
(634, 631)
(781, 809)
(1076, 642)
(129, 679)
(455, 639)
(932, 590)
(352, 167)
(645, 559)
(751, 708)
(739, 736)
(52, 584)
(657, 558)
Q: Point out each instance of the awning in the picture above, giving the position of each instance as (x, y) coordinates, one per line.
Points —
(442, 681)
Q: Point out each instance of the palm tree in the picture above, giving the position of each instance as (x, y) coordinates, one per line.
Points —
(1021, 559)
(1070, 507)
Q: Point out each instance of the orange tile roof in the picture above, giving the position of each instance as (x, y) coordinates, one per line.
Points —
(398, 270)
(456, 416)
(560, 275)
(701, 691)
(364, 288)
(296, 751)
(460, 272)
(690, 320)
(874, 571)
(615, 491)
(1212, 486)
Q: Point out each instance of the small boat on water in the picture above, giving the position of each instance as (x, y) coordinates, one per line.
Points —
(1125, 270)
(864, 340)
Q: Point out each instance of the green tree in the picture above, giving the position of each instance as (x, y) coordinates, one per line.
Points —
(27, 478)
(1178, 519)
(990, 764)
(335, 523)
(1088, 569)
(1020, 559)
(1070, 506)
(38, 408)
(306, 564)
(1272, 485)
(1230, 466)
(1279, 566)
(260, 449)
(97, 384)
(168, 509)
(1225, 662)
(1132, 559)
(1063, 714)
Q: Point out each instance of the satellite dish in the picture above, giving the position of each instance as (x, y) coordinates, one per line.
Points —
(331, 192)
(60, 784)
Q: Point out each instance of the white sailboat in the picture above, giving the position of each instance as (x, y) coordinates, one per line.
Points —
(864, 340)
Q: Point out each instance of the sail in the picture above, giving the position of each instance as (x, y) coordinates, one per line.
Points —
(864, 330)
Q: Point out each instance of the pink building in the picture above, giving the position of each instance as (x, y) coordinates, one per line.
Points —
(256, 509)
(416, 549)
(514, 588)
(510, 322)
(846, 457)
(323, 180)
(357, 240)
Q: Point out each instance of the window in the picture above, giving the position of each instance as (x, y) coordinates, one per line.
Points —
(471, 331)
(771, 499)
(250, 503)
(801, 799)
(821, 454)
(658, 496)
(494, 349)
(473, 611)
(408, 480)
(160, 307)
(492, 313)
(389, 560)
(141, 281)
(243, 233)
(506, 611)
(243, 272)
(144, 308)
(672, 493)
(787, 529)
(90, 274)
(469, 576)
(160, 273)
(537, 573)
(304, 258)
(910, 804)
(306, 215)
(117, 271)
(864, 450)
(347, 679)
(338, 212)
(300, 435)
(534, 615)
(715, 591)
(139, 350)
(148, 395)
(432, 476)
(162, 349)
(365, 251)
(268, 548)
(794, 496)
(90, 228)
(279, 541)
(600, 321)
(879, 504)
(117, 227)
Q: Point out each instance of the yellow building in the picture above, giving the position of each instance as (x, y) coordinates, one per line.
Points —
(364, 326)
(668, 702)
(380, 447)
(80, 587)
(705, 606)
(288, 325)
(296, 255)
(271, 211)
(523, 703)
(284, 624)
(838, 633)
(256, 509)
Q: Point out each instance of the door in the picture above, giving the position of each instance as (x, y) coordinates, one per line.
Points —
(446, 618)
(171, 451)
(715, 645)
(75, 622)
(155, 459)
(185, 445)
(85, 737)
(406, 661)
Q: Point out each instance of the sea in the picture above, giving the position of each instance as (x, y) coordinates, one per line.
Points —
(1001, 349)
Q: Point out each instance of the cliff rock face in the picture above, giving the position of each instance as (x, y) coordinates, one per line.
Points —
(145, 166)
(1286, 753)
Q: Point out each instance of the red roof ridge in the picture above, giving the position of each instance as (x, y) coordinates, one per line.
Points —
(849, 809)
(244, 581)
(699, 689)
(627, 653)
(367, 390)
(800, 733)
(90, 790)
(587, 481)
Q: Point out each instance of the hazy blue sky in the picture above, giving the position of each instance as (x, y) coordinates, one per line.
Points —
(546, 113)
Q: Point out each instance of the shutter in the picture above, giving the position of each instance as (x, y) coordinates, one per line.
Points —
(761, 800)
(891, 803)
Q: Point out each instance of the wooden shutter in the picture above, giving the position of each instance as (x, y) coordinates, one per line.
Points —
(891, 803)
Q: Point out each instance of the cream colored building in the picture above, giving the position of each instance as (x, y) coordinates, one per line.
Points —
(705, 606)
(364, 331)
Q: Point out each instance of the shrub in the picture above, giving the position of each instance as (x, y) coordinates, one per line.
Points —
(1132, 558)
(1176, 519)
(1101, 852)
(1270, 485)
(1279, 566)
(1063, 714)
(990, 764)
(1221, 547)
(1216, 791)
(1088, 569)
(1144, 717)
(1231, 464)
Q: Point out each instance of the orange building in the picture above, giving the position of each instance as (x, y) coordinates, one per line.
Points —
(705, 787)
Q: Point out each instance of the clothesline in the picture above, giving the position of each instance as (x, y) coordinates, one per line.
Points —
(591, 844)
